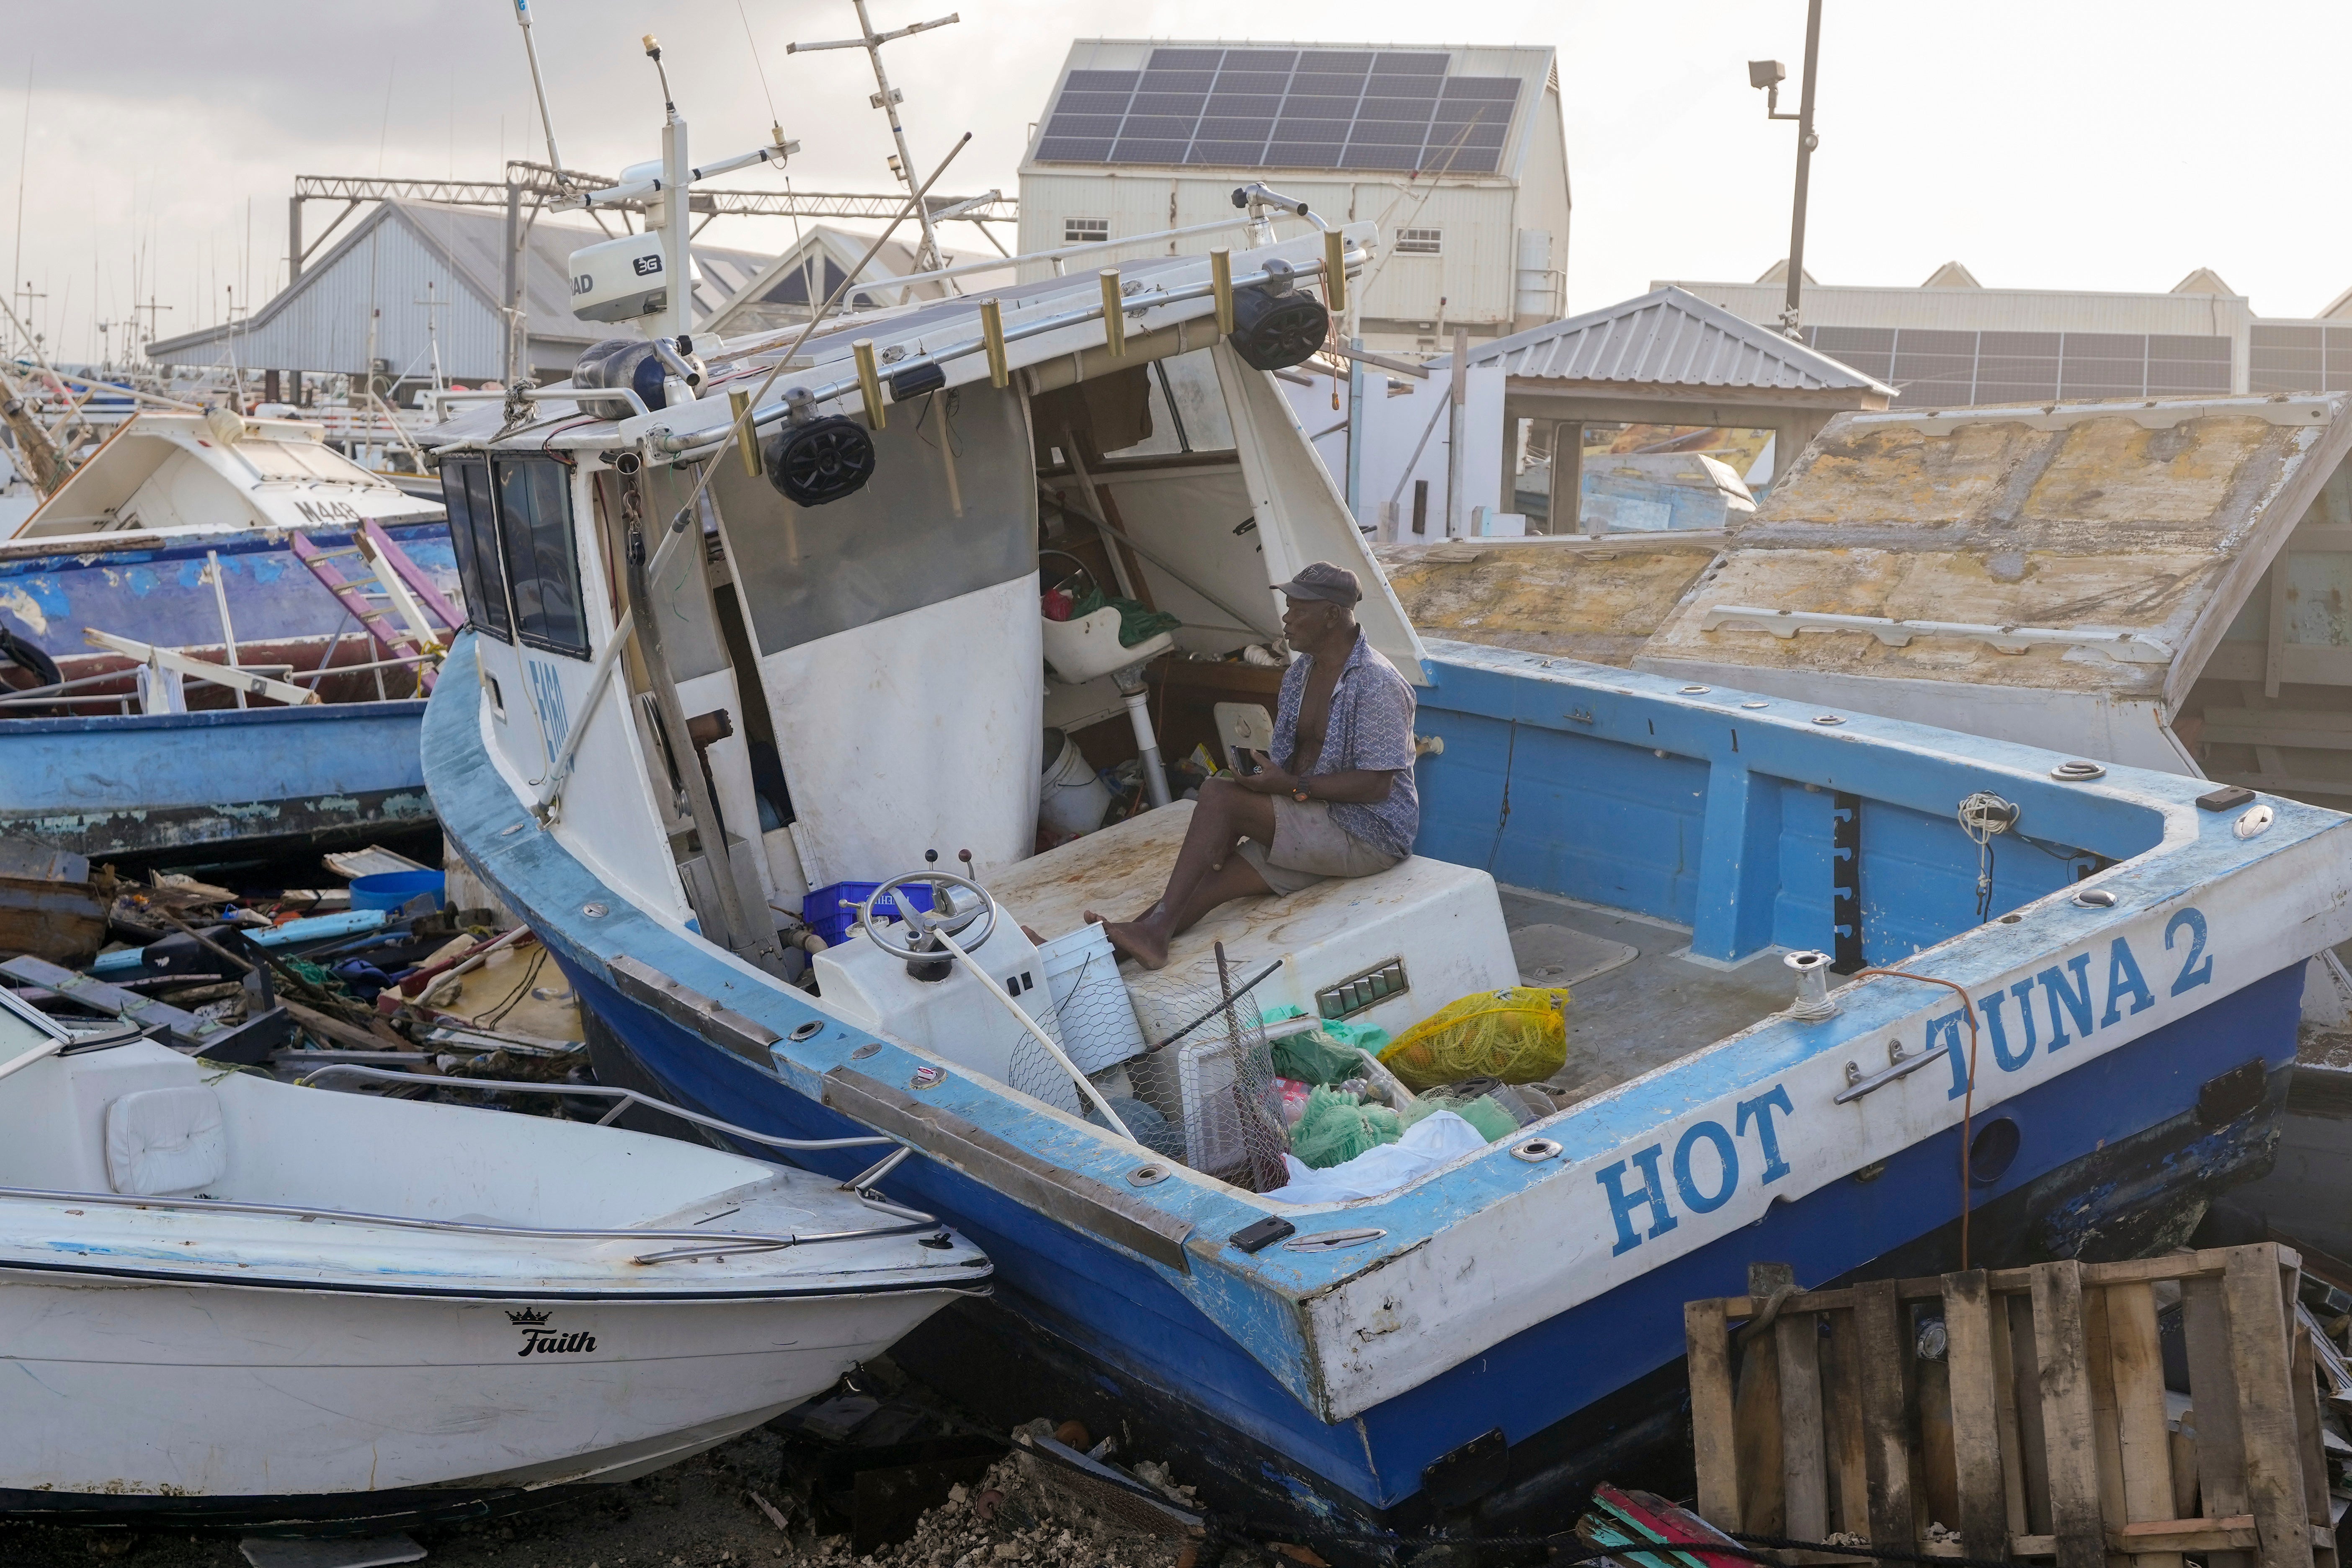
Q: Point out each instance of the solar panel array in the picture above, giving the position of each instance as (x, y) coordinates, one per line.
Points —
(1943, 369)
(1385, 109)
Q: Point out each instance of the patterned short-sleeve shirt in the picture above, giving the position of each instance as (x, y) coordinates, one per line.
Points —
(1370, 730)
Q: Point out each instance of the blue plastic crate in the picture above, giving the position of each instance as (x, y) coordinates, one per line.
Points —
(822, 911)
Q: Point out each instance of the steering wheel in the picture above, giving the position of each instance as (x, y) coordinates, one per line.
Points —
(923, 922)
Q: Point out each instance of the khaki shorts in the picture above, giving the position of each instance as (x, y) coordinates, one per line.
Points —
(1310, 848)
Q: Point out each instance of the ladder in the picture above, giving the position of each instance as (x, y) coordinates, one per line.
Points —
(410, 637)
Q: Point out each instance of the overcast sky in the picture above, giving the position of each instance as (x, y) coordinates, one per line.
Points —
(2110, 145)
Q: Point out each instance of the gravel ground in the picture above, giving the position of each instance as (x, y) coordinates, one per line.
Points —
(700, 1514)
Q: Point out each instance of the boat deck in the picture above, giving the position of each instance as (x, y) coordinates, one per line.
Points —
(1638, 1001)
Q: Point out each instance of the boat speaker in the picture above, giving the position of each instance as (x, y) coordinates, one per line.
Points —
(820, 460)
(1275, 332)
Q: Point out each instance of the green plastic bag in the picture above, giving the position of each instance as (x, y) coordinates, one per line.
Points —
(1334, 1129)
(1136, 624)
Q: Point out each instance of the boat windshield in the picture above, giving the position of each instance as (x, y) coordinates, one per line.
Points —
(19, 1034)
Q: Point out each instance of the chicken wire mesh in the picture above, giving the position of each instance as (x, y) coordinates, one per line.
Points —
(1204, 1098)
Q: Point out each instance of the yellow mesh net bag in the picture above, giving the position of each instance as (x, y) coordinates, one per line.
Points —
(1517, 1035)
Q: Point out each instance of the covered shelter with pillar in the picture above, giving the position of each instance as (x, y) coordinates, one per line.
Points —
(1667, 358)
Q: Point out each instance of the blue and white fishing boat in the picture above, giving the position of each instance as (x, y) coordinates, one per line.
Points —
(165, 636)
(722, 689)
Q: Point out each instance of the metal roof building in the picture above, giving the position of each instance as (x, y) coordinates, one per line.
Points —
(1666, 357)
(779, 294)
(1953, 342)
(1457, 153)
(404, 254)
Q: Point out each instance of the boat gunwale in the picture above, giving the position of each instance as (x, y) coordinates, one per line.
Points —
(1214, 1207)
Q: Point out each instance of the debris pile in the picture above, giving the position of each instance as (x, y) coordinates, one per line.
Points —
(377, 969)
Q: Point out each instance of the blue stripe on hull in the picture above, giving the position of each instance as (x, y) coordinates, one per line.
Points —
(127, 784)
(1121, 1313)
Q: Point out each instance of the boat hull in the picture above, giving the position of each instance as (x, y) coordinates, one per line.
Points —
(122, 787)
(272, 1407)
(2115, 1159)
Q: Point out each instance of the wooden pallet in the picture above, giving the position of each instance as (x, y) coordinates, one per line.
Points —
(2042, 1431)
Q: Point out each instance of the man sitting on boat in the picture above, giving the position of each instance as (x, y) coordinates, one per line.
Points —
(1340, 801)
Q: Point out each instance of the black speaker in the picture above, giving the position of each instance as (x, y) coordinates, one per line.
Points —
(820, 462)
(1275, 332)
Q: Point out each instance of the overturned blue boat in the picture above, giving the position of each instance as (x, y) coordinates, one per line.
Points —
(726, 695)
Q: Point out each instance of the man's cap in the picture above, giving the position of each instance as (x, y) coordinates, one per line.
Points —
(1332, 584)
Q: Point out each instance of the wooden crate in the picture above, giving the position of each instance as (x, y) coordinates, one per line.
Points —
(2042, 1431)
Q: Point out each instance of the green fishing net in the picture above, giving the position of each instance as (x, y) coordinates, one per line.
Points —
(1479, 1111)
(1334, 1129)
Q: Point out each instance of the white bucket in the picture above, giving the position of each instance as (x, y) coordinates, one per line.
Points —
(1071, 801)
(1097, 1021)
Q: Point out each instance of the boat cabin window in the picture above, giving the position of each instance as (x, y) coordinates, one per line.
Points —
(951, 509)
(534, 510)
(474, 539)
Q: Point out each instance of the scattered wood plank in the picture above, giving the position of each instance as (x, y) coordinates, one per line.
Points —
(185, 1028)
(2142, 1440)
(1885, 1351)
(2043, 1426)
(2265, 1420)
(2059, 1344)
(1707, 1333)
(1762, 1507)
(1804, 1471)
(1841, 1424)
(1977, 1427)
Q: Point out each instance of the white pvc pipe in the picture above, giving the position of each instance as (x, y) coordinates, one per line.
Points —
(51, 1048)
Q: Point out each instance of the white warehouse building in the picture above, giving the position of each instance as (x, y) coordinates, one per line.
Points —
(1457, 153)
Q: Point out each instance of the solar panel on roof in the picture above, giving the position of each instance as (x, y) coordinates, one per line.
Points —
(1307, 108)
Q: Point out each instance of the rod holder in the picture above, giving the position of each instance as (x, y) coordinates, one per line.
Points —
(991, 336)
(1114, 315)
(870, 382)
(1335, 270)
(1814, 1000)
(747, 435)
(1221, 284)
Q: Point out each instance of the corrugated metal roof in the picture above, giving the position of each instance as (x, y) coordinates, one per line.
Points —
(775, 297)
(1670, 338)
(385, 263)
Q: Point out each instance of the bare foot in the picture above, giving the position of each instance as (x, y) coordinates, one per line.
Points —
(1138, 941)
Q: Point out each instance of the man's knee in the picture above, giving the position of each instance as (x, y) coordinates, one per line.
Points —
(1220, 797)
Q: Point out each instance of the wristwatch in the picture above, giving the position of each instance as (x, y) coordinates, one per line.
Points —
(1298, 791)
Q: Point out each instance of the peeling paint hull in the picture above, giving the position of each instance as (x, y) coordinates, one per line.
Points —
(124, 786)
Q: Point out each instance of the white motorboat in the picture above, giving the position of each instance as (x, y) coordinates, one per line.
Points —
(226, 1298)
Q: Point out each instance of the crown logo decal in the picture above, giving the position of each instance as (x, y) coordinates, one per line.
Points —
(525, 1317)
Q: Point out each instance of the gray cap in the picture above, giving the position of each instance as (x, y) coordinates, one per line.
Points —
(1332, 584)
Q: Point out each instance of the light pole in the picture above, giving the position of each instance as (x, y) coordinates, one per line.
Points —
(1769, 75)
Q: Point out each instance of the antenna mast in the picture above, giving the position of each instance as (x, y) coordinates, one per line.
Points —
(887, 99)
(547, 123)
